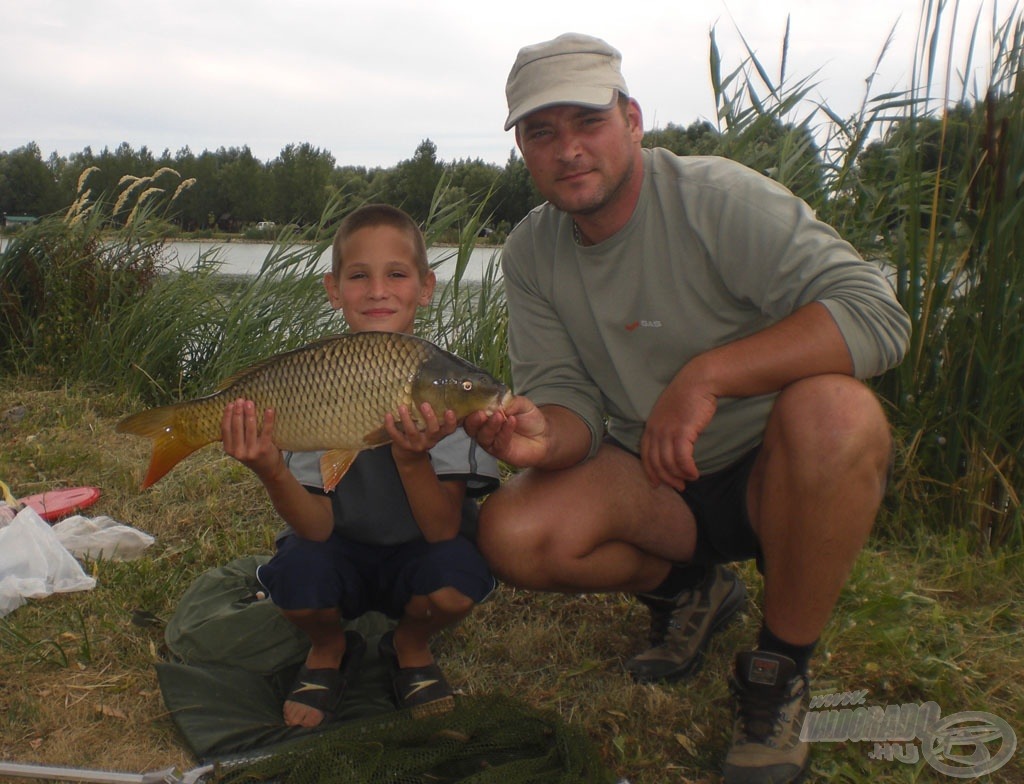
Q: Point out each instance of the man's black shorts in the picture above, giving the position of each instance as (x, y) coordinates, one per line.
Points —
(719, 505)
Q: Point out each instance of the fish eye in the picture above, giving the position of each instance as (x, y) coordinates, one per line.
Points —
(467, 385)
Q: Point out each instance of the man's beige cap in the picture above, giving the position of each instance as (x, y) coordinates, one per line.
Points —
(572, 69)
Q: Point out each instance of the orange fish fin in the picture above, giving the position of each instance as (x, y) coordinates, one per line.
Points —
(376, 437)
(168, 451)
(334, 464)
(170, 445)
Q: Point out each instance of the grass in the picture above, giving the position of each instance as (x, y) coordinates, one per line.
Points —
(922, 619)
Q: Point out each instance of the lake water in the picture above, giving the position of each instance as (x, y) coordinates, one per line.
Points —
(246, 258)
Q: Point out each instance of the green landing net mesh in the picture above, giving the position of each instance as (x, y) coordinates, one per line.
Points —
(484, 739)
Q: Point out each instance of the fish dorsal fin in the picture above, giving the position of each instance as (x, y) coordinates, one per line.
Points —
(334, 464)
(258, 366)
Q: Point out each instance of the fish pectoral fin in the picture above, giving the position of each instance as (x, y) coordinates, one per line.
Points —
(334, 464)
(377, 437)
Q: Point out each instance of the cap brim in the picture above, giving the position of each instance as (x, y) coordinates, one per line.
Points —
(572, 95)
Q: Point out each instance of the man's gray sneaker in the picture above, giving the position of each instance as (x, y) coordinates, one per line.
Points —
(772, 701)
(681, 627)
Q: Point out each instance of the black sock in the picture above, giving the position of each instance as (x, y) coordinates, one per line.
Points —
(680, 577)
(801, 654)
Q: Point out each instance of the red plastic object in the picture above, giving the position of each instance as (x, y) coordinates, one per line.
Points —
(55, 504)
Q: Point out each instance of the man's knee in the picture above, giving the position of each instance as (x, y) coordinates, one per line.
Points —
(831, 419)
(499, 536)
(517, 545)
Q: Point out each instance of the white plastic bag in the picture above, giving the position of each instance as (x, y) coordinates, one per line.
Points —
(33, 563)
(101, 537)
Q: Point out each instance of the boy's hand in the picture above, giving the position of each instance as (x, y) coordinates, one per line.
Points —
(245, 441)
(408, 440)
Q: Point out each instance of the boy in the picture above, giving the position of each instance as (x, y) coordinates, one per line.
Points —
(390, 537)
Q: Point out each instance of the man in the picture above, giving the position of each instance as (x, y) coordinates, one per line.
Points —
(701, 313)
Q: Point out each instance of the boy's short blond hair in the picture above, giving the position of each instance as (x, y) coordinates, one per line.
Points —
(371, 216)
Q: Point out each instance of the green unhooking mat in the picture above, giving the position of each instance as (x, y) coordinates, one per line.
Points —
(237, 657)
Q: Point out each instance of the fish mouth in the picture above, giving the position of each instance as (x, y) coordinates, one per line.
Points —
(506, 400)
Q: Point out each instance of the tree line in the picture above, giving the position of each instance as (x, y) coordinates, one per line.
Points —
(234, 190)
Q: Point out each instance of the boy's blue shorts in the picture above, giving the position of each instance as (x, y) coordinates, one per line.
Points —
(357, 577)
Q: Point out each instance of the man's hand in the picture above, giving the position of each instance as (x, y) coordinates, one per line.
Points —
(678, 418)
(519, 434)
(245, 441)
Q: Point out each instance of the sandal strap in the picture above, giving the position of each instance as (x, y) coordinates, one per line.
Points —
(324, 688)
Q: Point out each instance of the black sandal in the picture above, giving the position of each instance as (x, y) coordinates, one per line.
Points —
(423, 690)
(323, 688)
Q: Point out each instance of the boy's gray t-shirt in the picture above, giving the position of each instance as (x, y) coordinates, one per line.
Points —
(370, 504)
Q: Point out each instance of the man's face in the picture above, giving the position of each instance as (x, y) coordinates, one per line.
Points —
(581, 159)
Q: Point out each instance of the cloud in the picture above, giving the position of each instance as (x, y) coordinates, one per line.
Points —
(370, 81)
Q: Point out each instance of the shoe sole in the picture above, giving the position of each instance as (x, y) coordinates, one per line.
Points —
(724, 617)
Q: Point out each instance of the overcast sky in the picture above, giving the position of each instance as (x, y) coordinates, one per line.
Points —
(369, 80)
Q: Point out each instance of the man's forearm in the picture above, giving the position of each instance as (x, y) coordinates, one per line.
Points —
(569, 436)
(807, 343)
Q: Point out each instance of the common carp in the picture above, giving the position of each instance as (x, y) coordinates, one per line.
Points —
(328, 395)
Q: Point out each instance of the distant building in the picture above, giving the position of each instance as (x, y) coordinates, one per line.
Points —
(10, 221)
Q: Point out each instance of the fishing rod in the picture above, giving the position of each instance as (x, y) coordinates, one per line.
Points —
(59, 773)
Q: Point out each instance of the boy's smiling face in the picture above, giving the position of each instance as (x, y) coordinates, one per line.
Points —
(379, 287)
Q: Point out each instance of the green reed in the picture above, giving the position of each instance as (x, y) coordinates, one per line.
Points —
(929, 187)
(957, 252)
(468, 317)
(88, 297)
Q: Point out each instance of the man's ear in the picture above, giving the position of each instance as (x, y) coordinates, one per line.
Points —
(635, 117)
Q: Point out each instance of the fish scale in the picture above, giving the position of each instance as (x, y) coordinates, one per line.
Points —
(331, 395)
(347, 392)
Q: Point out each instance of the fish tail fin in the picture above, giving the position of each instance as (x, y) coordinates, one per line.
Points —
(171, 443)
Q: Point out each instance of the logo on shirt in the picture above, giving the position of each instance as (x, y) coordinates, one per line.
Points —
(643, 323)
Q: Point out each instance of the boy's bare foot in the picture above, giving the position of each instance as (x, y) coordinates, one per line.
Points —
(320, 684)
